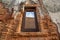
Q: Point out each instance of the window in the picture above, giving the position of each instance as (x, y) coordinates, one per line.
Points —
(30, 20)
(29, 23)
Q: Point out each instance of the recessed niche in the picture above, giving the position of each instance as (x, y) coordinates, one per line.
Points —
(29, 23)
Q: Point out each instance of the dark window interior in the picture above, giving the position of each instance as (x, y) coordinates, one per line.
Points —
(29, 23)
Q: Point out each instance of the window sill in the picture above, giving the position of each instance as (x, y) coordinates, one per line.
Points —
(30, 34)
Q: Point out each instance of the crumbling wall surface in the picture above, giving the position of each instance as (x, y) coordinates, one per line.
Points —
(53, 6)
(29, 38)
